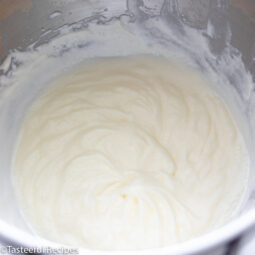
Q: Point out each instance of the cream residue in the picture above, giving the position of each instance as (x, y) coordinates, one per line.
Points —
(129, 153)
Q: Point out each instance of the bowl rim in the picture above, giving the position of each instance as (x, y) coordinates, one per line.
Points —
(16, 237)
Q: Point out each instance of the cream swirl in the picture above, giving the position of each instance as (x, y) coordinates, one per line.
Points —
(129, 153)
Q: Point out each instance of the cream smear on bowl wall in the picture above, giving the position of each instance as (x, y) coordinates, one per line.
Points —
(133, 144)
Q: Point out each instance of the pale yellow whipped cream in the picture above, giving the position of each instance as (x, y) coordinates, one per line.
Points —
(129, 153)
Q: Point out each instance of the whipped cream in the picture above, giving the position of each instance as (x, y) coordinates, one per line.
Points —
(129, 153)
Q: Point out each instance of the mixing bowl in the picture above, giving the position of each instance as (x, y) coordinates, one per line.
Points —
(216, 36)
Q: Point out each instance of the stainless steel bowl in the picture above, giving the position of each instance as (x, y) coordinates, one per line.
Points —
(23, 22)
